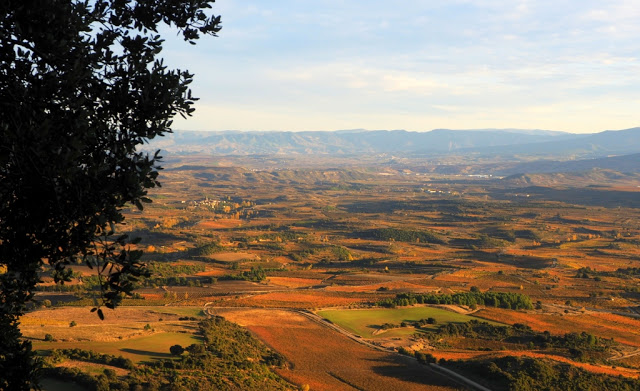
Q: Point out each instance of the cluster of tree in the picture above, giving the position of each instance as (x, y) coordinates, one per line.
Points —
(89, 283)
(401, 235)
(281, 236)
(329, 225)
(177, 281)
(162, 274)
(423, 358)
(588, 272)
(206, 249)
(530, 374)
(232, 342)
(628, 271)
(416, 324)
(256, 274)
(482, 241)
(187, 318)
(59, 355)
(576, 343)
(486, 241)
(267, 246)
(165, 269)
(303, 254)
(176, 350)
(511, 235)
(229, 359)
(503, 234)
(342, 253)
(490, 299)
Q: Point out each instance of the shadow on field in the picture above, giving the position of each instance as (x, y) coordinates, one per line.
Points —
(409, 370)
(155, 355)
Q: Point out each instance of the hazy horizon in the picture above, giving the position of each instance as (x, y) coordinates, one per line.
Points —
(508, 129)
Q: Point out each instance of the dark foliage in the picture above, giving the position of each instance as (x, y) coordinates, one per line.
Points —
(81, 88)
(91, 356)
(229, 358)
(494, 299)
(577, 344)
(176, 350)
(524, 374)
(255, 274)
(401, 235)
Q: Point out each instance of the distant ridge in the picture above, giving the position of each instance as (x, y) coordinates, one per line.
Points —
(574, 179)
(435, 142)
(624, 163)
(602, 144)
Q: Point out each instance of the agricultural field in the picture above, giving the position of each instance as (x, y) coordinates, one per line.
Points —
(140, 333)
(369, 263)
(368, 323)
(329, 360)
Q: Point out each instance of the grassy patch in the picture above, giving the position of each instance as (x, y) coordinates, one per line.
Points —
(147, 348)
(366, 322)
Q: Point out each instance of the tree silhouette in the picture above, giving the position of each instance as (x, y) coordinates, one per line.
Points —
(81, 88)
(176, 350)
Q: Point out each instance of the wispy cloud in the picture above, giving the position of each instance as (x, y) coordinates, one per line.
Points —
(445, 63)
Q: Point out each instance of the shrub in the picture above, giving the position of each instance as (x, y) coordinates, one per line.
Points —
(196, 349)
(176, 350)
(110, 373)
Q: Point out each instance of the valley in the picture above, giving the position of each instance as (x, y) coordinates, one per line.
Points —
(360, 273)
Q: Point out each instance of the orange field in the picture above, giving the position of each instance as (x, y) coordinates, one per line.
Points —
(296, 300)
(601, 324)
(327, 360)
(219, 224)
(293, 282)
(405, 286)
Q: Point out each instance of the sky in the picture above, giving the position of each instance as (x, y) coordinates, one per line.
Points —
(301, 65)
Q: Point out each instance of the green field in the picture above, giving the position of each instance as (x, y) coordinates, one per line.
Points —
(139, 349)
(365, 322)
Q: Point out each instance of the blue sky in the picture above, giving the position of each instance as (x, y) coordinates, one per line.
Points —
(416, 65)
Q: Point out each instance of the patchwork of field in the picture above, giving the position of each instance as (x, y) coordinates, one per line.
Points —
(262, 243)
(326, 360)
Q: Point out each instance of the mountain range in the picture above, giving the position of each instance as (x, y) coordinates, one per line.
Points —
(438, 142)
